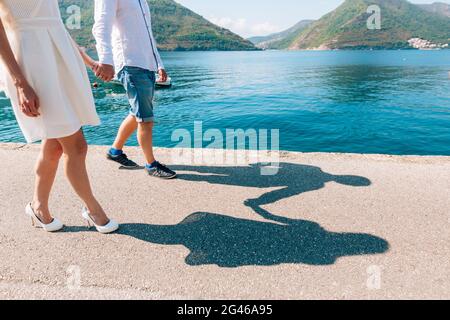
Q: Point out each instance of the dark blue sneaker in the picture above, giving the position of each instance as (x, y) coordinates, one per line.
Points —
(124, 162)
(159, 170)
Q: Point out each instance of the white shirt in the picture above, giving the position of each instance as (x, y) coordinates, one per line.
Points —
(124, 36)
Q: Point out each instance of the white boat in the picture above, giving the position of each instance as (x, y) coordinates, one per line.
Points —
(158, 83)
(167, 83)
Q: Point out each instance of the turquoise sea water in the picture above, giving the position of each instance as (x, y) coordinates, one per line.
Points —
(392, 102)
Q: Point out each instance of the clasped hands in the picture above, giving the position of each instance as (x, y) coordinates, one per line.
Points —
(106, 72)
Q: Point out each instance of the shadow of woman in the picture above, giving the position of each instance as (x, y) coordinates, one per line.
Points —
(229, 242)
(232, 242)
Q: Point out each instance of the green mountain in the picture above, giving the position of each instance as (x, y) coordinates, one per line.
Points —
(346, 27)
(437, 7)
(175, 28)
(280, 39)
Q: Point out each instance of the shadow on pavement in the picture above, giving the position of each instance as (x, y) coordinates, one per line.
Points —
(232, 242)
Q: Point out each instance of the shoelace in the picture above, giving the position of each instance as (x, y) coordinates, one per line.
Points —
(123, 159)
(161, 169)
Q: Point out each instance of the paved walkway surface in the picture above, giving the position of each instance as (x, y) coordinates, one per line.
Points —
(326, 226)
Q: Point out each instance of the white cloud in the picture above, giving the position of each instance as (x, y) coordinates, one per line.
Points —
(242, 27)
(264, 28)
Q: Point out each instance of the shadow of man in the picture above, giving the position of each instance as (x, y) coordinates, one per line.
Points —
(291, 179)
(232, 242)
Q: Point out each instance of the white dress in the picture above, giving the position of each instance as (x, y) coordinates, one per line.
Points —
(53, 66)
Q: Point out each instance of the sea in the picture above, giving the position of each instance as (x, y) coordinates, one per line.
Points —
(384, 102)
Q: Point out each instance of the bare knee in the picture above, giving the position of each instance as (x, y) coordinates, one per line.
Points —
(48, 159)
(52, 153)
(78, 148)
(81, 147)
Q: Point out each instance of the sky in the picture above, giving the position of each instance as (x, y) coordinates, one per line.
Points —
(261, 17)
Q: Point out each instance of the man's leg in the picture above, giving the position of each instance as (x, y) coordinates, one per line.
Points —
(153, 167)
(127, 128)
(145, 138)
(140, 86)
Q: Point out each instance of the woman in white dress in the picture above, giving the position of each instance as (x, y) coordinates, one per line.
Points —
(47, 82)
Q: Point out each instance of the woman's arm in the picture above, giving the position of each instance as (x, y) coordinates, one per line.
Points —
(28, 99)
(88, 61)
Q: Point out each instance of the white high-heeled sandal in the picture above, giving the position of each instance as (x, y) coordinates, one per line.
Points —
(110, 227)
(54, 226)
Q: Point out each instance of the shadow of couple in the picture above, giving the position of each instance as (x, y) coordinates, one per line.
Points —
(215, 239)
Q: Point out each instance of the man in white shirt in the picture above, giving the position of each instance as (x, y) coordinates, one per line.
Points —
(127, 48)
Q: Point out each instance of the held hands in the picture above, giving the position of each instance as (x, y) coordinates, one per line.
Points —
(105, 72)
(28, 100)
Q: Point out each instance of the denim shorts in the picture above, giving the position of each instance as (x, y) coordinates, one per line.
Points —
(140, 87)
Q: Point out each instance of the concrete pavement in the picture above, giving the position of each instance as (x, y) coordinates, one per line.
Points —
(332, 226)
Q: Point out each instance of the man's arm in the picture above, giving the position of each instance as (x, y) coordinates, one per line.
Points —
(105, 14)
(155, 48)
(161, 69)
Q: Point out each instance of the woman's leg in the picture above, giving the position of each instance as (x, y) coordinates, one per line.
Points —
(75, 151)
(46, 167)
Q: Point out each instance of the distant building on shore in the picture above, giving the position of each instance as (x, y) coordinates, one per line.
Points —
(423, 44)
